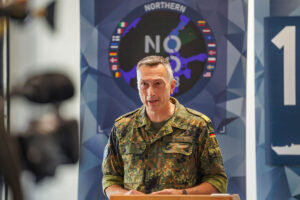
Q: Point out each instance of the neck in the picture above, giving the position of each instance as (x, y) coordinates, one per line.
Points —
(161, 115)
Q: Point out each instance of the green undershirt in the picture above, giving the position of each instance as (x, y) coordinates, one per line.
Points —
(157, 125)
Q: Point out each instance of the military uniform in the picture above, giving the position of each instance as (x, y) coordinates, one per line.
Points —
(182, 154)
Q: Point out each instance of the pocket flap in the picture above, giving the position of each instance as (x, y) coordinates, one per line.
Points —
(188, 139)
(132, 148)
(185, 148)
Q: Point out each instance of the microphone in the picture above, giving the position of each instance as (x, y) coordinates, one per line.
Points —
(47, 88)
(16, 10)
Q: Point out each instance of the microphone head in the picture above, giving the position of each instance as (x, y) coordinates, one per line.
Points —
(16, 10)
(48, 88)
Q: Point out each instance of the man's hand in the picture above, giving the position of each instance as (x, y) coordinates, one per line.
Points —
(203, 188)
(118, 190)
(133, 192)
(168, 192)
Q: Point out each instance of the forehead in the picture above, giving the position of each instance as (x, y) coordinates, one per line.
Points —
(153, 72)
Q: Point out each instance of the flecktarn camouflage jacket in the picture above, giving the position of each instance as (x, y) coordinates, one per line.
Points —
(182, 154)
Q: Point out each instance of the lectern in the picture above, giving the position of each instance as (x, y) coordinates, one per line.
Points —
(177, 197)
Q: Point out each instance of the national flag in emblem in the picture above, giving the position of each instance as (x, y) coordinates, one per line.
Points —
(211, 59)
(120, 31)
(114, 45)
(113, 53)
(211, 45)
(208, 37)
(206, 30)
(115, 38)
(210, 67)
(113, 60)
(114, 67)
(212, 135)
(207, 74)
(201, 23)
(117, 74)
(123, 24)
(212, 52)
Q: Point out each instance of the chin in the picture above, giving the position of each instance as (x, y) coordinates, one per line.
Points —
(153, 108)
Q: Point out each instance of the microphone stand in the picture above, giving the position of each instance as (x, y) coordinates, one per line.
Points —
(8, 155)
(4, 88)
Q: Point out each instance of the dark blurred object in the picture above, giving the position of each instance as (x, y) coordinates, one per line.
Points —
(42, 153)
(47, 88)
(48, 142)
(48, 13)
(10, 167)
(18, 10)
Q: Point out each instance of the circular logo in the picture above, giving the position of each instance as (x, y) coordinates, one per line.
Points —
(168, 29)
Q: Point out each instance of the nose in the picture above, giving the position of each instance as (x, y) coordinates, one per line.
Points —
(150, 91)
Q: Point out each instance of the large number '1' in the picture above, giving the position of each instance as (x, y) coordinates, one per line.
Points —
(286, 39)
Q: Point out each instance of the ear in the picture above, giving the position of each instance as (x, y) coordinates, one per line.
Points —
(172, 84)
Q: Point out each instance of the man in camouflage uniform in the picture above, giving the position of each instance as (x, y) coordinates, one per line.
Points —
(162, 147)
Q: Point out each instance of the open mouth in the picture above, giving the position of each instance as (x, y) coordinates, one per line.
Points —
(152, 101)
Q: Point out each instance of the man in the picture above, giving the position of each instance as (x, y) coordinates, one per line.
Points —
(162, 147)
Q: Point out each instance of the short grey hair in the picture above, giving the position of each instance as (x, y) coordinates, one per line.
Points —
(155, 60)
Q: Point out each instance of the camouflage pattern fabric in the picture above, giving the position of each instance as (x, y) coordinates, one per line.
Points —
(182, 154)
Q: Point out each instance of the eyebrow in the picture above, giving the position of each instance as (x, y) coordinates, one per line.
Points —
(159, 79)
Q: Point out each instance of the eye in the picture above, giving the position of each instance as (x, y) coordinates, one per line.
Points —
(144, 85)
(158, 83)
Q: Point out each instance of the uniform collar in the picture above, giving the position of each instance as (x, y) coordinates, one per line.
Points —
(177, 120)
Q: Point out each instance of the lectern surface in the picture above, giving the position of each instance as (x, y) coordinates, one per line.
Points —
(176, 197)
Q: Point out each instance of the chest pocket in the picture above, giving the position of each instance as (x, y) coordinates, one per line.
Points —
(181, 145)
(132, 148)
(179, 163)
(132, 155)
